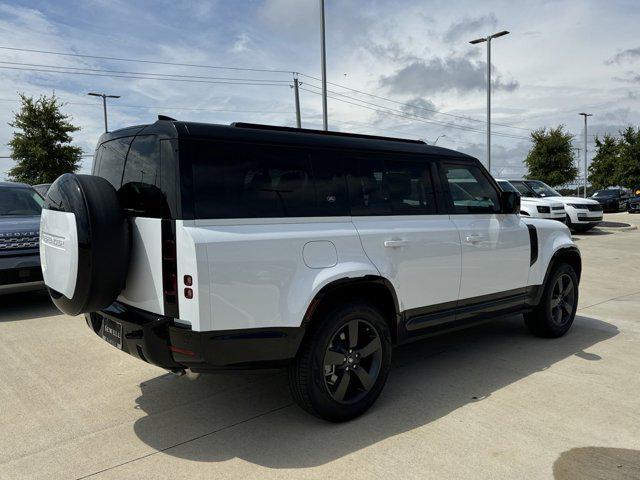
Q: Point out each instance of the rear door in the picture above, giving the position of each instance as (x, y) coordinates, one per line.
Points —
(407, 238)
(495, 245)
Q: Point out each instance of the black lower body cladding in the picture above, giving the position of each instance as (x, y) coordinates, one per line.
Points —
(103, 241)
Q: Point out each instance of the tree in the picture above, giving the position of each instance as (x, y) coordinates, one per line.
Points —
(551, 157)
(603, 171)
(628, 167)
(41, 145)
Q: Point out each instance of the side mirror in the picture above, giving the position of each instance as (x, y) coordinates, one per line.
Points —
(510, 202)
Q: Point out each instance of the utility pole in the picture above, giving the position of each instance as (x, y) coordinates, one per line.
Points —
(296, 92)
(325, 120)
(488, 41)
(104, 105)
(585, 115)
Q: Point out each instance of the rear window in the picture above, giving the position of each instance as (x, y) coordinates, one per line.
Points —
(132, 165)
(251, 181)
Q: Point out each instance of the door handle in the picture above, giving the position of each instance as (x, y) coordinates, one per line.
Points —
(473, 239)
(395, 243)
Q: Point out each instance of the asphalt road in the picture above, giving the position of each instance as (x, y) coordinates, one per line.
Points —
(488, 403)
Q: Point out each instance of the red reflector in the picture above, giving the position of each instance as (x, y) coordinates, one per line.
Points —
(183, 351)
(188, 280)
(188, 293)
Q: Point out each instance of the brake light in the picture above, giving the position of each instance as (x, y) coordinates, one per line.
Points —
(183, 351)
(169, 269)
(188, 280)
(188, 293)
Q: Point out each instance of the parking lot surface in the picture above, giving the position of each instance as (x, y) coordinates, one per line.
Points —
(490, 402)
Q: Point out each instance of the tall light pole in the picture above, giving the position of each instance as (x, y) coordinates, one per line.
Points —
(325, 120)
(439, 137)
(488, 40)
(104, 105)
(585, 115)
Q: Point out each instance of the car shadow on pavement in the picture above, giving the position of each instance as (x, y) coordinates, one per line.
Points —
(218, 417)
(26, 306)
(597, 462)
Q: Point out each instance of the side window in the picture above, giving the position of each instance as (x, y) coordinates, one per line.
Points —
(471, 191)
(330, 185)
(409, 187)
(112, 159)
(390, 186)
(244, 181)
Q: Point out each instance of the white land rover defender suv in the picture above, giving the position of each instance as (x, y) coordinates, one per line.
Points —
(211, 247)
(536, 207)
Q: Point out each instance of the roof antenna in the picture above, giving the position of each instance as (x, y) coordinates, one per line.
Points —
(164, 117)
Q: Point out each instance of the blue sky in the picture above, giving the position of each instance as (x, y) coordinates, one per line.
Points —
(561, 58)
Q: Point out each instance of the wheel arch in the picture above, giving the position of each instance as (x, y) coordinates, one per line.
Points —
(567, 254)
(371, 288)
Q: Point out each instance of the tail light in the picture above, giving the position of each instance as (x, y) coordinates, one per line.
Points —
(169, 269)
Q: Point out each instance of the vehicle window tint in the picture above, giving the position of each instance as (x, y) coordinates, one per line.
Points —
(330, 185)
(20, 201)
(112, 160)
(471, 191)
(366, 189)
(243, 181)
(409, 187)
(390, 186)
(140, 193)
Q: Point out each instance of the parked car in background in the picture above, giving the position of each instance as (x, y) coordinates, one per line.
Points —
(215, 247)
(20, 208)
(42, 188)
(612, 199)
(582, 213)
(633, 206)
(536, 207)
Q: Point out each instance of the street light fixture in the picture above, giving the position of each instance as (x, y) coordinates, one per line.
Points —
(475, 42)
(104, 105)
(585, 115)
(439, 137)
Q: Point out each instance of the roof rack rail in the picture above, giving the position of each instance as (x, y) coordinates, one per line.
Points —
(259, 126)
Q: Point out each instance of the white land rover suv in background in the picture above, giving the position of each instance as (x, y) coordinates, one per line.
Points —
(212, 248)
(582, 213)
(536, 207)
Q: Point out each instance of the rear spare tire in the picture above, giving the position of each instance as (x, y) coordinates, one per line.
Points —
(84, 244)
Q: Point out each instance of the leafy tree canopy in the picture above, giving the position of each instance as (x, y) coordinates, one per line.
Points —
(41, 143)
(551, 157)
(617, 160)
(602, 171)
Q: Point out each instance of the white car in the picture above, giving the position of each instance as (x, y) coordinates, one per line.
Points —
(536, 207)
(222, 248)
(582, 213)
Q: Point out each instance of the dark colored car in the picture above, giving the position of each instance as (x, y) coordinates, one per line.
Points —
(612, 200)
(42, 188)
(633, 205)
(20, 208)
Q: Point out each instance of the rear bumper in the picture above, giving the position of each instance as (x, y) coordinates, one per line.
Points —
(160, 341)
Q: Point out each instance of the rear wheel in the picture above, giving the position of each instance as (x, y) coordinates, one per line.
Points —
(556, 311)
(343, 363)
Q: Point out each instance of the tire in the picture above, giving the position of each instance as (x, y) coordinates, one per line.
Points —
(318, 385)
(551, 318)
(85, 244)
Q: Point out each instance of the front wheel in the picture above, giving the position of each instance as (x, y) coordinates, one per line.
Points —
(343, 363)
(556, 311)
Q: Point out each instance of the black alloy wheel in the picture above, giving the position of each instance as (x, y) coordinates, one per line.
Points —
(562, 300)
(352, 361)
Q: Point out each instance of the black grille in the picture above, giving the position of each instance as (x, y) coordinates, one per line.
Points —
(20, 275)
(557, 208)
(19, 240)
(594, 208)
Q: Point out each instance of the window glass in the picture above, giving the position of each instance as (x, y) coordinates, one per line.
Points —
(390, 186)
(523, 189)
(20, 201)
(471, 191)
(542, 189)
(140, 194)
(330, 185)
(243, 181)
(112, 160)
(507, 187)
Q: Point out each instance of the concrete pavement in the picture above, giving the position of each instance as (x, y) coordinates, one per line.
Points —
(487, 403)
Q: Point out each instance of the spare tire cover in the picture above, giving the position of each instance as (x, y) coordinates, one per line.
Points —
(84, 243)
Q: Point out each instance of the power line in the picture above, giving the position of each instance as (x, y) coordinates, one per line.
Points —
(138, 60)
(124, 72)
(420, 107)
(270, 83)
